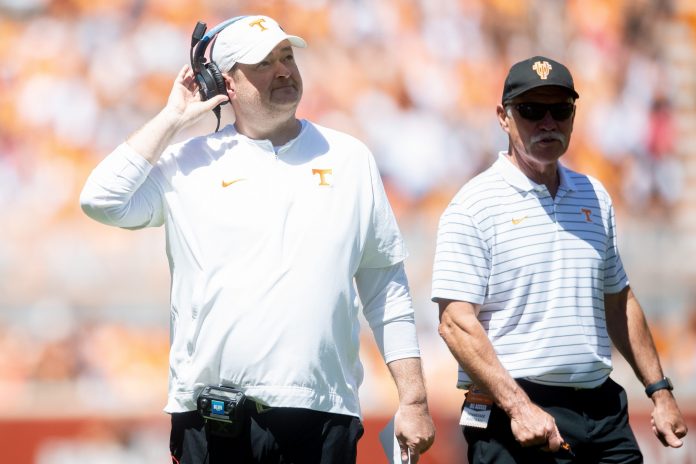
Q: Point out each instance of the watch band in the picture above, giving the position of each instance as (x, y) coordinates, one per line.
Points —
(663, 384)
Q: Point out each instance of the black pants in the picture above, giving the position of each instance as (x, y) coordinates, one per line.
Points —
(273, 436)
(594, 422)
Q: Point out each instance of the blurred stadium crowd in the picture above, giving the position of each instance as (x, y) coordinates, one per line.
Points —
(83, 308)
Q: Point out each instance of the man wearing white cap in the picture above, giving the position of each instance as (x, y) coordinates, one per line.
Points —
(275, 227)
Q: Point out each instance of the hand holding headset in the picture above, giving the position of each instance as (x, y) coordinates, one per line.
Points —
(208, 76)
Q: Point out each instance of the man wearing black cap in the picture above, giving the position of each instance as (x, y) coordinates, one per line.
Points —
(531, 291)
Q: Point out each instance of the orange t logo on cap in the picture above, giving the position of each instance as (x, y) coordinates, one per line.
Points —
(259, 22)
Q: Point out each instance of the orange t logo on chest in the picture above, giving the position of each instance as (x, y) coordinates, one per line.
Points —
(322, 175)
(588, 214)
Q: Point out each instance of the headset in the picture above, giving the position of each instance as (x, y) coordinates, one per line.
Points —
(207, 74)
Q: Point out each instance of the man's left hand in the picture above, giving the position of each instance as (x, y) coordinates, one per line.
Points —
(667, 421)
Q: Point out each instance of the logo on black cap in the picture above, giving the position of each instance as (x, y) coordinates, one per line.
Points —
(536, 72)
(542, 68)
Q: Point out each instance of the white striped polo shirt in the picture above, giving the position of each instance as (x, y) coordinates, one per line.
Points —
(539, 267)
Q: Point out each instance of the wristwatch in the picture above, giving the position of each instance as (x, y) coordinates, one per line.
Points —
(663, 384)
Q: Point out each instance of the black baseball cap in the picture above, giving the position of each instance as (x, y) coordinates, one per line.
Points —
(537, 71)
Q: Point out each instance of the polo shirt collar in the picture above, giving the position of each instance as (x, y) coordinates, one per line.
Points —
(289, 144)
(517, 179)
(567, 182)
(266, 144)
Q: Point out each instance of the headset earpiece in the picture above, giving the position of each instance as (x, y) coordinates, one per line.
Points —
(218, 79)
(210, 81)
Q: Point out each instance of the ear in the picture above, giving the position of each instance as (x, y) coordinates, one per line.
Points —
(503, 118)
(230, 85)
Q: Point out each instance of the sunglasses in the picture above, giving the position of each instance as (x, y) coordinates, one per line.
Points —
(537, 111)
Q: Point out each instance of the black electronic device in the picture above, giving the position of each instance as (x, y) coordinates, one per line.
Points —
(663, 384)
(220, 403)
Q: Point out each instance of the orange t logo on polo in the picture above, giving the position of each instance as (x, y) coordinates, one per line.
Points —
(588, 214)
(542, 68)
(322, 175)
(259, 22)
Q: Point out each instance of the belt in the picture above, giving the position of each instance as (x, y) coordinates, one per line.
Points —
(253, 406)
(528, 384)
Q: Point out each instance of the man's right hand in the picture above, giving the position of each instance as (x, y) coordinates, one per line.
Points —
(185, 105)
(532, 426)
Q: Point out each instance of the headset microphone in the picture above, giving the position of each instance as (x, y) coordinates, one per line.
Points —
(198, 32)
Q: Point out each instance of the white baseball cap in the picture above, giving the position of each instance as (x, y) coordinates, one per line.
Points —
(248, 41)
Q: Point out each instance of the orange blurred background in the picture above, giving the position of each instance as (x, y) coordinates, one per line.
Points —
(84, 308)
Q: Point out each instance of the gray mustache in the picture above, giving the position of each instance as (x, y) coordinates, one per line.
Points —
(549, 135)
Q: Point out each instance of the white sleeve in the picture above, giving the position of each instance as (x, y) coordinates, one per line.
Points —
(462, 264)
(120, 191)
(384, 244)
(615, 278)
(387, 306)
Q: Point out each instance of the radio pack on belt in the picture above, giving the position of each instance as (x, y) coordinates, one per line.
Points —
(222, 404)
